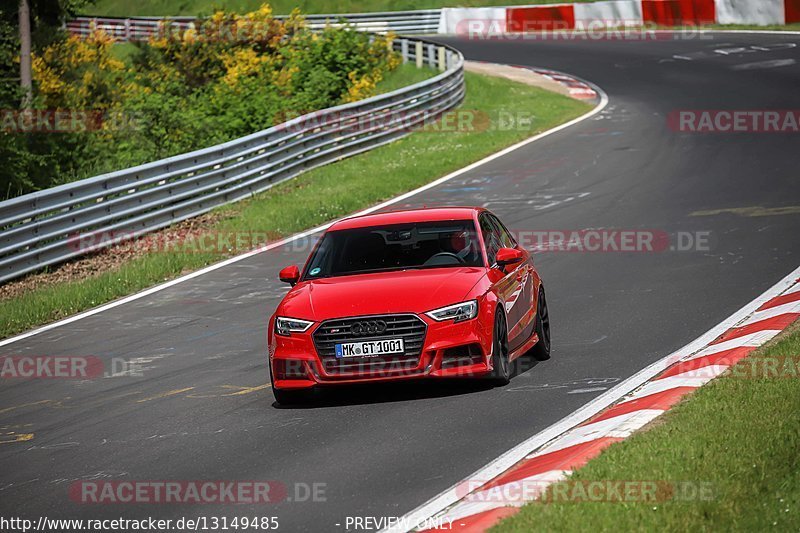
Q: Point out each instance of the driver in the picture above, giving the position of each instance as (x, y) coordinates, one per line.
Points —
(458, 243)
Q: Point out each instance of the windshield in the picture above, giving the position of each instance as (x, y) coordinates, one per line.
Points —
(396, 247)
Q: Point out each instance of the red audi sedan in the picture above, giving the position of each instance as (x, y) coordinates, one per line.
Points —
(424, 293)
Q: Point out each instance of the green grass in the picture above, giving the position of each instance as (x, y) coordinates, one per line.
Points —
(126, 8)
(315, 197)
(769, 27)
(123, 51)
(740, 436)
(403, 76)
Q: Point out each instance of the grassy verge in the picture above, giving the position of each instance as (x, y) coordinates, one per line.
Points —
(738, 436)
(315, 197)
(769, 27)
(403, 76)
(711, 27)
(124, 52)
(126, 8)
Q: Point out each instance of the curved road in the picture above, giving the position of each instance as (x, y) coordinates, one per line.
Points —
(380, 451)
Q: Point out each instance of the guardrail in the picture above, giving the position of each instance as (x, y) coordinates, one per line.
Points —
(50, 226)
(419, 22)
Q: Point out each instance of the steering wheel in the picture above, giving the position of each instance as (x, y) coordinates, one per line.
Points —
(435, 259)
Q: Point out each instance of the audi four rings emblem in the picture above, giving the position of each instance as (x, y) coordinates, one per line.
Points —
(368, 327)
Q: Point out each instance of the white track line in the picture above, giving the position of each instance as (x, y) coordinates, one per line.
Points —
(600, 106)
(620, 427)
(783, 309)
(793, 290)
(665, 384)
(439, 503)
(752, 340)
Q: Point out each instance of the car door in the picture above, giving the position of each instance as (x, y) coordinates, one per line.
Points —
(506, 285)
(521, 330)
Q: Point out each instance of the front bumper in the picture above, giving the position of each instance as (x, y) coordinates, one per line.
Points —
(449, 350)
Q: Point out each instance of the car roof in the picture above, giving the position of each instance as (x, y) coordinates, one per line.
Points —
(426, 214)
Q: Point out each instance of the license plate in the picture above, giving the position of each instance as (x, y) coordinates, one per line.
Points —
(369, 348)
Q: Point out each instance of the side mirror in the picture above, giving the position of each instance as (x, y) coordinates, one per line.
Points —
(508, 256)
(290, 275)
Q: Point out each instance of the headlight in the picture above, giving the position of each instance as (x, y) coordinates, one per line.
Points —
(287, 326)
(457, 312)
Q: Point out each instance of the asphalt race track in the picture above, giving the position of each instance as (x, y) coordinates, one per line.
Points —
(198, 413)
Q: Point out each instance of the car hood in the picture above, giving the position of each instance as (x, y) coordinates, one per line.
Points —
(410, 291)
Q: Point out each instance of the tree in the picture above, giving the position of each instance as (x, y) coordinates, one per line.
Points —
(45, 21)
(25, 157)
(26, 81)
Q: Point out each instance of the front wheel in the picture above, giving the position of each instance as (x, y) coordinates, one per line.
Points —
(291, 396)
(501, 373)
(541, 351)
(288, 396)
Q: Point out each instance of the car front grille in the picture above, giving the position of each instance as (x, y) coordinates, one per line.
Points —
(408, 327)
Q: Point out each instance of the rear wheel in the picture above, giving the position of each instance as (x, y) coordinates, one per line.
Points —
(541, 351)
(501, 373)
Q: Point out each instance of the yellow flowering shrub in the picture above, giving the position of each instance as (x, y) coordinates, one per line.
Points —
(78, 73)
(242, 62)
(361, 86)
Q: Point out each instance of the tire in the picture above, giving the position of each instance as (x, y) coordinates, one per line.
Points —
(288, 396)
(541, 350)
(501, 368)
(291, 397)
